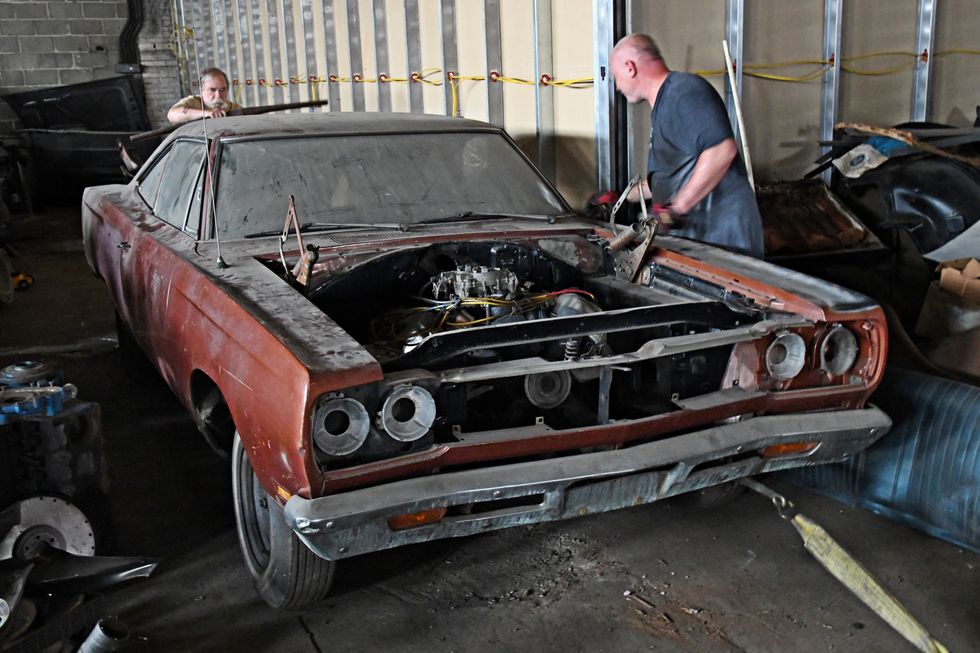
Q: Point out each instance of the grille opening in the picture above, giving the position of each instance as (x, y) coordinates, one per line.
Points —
(737, 458)
(662, 469)
(483, 507)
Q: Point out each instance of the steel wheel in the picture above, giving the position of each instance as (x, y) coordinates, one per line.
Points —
(286, 573)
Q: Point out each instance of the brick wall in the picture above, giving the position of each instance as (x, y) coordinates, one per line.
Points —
(45, 43)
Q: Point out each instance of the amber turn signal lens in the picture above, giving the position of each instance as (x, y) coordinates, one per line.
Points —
(788, 449)
(411, 520)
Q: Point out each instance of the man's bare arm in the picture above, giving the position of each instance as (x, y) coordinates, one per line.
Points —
(708, 172)
(179, 114)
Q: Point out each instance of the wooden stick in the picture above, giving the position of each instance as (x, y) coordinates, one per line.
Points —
(244, 111)
(738, 114)
(907, 138)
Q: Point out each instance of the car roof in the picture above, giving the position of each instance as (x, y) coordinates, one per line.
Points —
(348, 122)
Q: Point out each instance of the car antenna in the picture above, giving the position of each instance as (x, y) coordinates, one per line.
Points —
(207, 162)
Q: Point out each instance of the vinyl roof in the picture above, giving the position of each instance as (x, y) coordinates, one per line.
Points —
(350, 122)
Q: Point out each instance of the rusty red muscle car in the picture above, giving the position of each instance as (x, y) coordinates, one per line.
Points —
(400, 332)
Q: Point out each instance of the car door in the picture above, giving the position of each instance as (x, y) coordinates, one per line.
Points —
(159, 237)
(109, 218)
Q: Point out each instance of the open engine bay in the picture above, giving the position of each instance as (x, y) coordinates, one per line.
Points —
(482, 335)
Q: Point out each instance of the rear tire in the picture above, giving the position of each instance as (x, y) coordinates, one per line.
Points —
(286, 573)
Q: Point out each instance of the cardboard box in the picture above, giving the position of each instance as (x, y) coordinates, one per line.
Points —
(961, 277)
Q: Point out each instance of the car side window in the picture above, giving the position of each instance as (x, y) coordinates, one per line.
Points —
(177, 184)
(149, 184)
(193, 221)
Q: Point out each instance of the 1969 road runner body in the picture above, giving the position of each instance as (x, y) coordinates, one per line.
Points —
(436, 346)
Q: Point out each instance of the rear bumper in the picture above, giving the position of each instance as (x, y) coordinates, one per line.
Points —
(356, 522)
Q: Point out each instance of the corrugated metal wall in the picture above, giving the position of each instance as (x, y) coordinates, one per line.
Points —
(395, 55)
(398, 55)
(783, 117)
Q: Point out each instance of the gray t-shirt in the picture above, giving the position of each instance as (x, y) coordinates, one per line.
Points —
(688, 118)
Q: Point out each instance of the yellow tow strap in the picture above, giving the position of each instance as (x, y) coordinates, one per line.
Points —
(852, 573)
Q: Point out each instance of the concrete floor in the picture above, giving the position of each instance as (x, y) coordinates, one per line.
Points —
(730, 579)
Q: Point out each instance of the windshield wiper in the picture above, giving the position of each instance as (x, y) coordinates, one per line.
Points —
(471, 216)
(315, 227)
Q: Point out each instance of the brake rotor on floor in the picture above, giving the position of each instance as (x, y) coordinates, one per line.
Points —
(46, 520)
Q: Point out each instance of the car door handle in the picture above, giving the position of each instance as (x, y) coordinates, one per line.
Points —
(123, 245)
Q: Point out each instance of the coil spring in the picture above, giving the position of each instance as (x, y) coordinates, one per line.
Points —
(573, 348)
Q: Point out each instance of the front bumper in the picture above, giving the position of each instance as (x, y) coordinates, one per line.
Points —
(490, 498)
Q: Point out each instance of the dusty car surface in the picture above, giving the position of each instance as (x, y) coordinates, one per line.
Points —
(444, 348)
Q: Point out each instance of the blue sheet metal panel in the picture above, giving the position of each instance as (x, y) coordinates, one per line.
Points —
(926, 471)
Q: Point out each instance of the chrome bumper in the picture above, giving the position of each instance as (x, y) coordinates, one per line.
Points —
(356, 522)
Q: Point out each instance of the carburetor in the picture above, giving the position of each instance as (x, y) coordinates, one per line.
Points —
(475, 281)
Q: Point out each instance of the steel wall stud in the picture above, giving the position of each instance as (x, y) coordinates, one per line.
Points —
(544, 95)
(413, 48)
(275, 49)
(604, 37)
(330, 37)
(356, 59)
(257, 54)
(380, 28)
(925, 36)
(610, 21)
(450, 54)
(205, 34)
(234, 48)
(495, 90)
(218, 30)
(287, 41)
(627, 112)
(832, 53)
(734, 26)
(309, 45)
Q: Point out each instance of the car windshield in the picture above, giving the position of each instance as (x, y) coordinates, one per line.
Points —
(375, 179)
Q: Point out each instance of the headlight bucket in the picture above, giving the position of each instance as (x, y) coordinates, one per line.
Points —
(838, 351)
(786, 355)
(340, 425)
(407, 413)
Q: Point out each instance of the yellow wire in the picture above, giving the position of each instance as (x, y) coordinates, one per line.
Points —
(581, 82)
(516, 80)
(786, 64)
(956, 51)
(880, 53)
(783, 78)
(878, 72)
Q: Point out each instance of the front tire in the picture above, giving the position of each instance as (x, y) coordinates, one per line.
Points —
(286, 573)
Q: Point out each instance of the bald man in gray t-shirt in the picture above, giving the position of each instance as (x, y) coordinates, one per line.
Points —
(694, 164)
